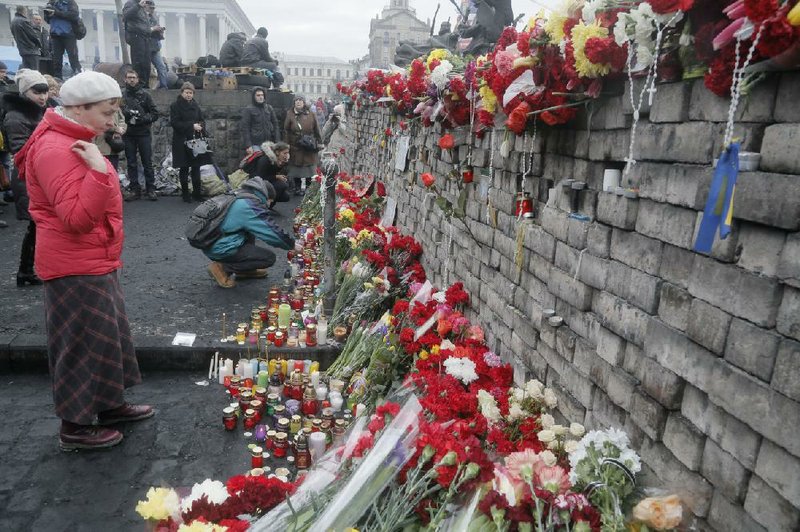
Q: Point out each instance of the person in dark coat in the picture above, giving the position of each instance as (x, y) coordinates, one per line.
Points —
(62, 15)
(259, 122)
(27, 37)
(139, 34)
(230, 55)
(302, 134)
(269, 165)
(186, 119)
(24, 111)
(140, 112)
(256, 55)
(46, 57)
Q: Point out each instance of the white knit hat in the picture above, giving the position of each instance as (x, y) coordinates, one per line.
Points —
(27, 78)
(89, 87)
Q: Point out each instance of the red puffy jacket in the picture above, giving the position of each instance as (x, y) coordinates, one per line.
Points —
(78, 211)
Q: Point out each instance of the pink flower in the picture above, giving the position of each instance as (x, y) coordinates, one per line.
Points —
(727, 35)
(553, 479)
(475, 333)
(516, 461)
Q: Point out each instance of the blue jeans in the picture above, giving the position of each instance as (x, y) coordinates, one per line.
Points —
(161, 68)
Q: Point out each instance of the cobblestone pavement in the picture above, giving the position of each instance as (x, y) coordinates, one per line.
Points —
(45, 489)
(167, 288)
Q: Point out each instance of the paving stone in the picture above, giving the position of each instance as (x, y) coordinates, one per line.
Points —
(786, 378)
(736, 291)
(633, 286)
(674, 306)
(767, 507)
(678, 354)
(780, 470)
(621, 317)
(685, 185)
(659, 383)
(760, 248)
(789, 313)
(684, 441)
(708, 326)
(752, 349)
(650, 416)
(599, 240)
(670, 224)
(722, 470)
(637, 251)
(779, 153)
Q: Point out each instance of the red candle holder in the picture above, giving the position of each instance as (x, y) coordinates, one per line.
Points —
(257, 457)
(226, 381)
(309, 407)
(229, 418)
(297, 304)
(250, 419)
(248, 383)
(279, 339)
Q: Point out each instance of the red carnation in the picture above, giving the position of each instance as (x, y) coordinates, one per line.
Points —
(760, 10)
(777, 35)
(428, 180)
(670, 6)
(446, 142)
(388, 132)
(606, 51)
(518, 118)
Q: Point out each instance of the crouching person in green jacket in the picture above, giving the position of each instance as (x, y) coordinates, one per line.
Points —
(246, 220)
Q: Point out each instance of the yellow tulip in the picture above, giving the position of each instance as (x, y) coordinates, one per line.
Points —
(794, 15)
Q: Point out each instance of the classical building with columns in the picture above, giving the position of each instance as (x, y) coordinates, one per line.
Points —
(397, 22)
(193, 28)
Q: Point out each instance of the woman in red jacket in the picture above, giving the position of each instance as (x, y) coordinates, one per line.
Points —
(77, 206)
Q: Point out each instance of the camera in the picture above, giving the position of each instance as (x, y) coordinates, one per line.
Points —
(134, 116)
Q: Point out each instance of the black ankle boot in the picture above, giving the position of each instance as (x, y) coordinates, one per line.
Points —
(30, 278)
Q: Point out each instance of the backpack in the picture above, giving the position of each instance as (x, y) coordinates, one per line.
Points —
(204, 227)
(79, 29)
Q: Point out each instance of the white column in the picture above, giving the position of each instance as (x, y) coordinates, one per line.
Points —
(203, 37)
(182, 35)
(101, 36)
(86, 62)
(162, 21)
(223, 34)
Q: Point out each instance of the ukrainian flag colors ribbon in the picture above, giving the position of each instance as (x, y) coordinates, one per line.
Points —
(719, 205)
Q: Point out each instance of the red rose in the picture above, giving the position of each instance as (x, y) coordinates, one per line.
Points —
(447, 142)
(518, 118)
(670, 6)
(428, 180)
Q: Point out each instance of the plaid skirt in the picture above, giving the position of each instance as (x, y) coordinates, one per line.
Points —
(89, 346)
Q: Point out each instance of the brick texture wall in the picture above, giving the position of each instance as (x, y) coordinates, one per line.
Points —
(696, 357)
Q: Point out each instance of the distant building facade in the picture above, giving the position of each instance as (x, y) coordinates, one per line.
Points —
(314, 76)
(193, 29)
(397, 22)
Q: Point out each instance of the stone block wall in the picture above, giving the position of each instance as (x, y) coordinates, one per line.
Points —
(696, 357)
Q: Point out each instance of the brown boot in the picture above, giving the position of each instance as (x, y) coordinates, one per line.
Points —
(252, 274)
(74, 437)
(124, 413)
(216, 271)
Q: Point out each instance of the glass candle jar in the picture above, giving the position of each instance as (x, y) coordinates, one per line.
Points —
(260, 433)
(229, 418)
(258, 406)
(302, 456)
(283, 425)
(271, 334)
(311, 335)
(295, 424)
(240, 335)
(261, 391)
(245, 397)
(270, 443)
(281, 445)
(279, 339)
(309, 406)
(257, 457)
(236, 381)
(249, 419)
(273, 400)
(280, 412)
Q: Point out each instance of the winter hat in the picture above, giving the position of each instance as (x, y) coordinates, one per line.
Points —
(89, 87)
(259, 185)
(3, 66)
(187, 85)
(28, 78)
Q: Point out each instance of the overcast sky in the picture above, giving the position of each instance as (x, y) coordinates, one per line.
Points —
(340, 28)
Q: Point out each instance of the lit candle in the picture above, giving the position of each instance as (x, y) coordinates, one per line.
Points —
(315, 378)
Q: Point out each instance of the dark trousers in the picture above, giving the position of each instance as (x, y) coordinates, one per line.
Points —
(248, 257)
(140, 59)
(61, 44)
(114, 160)
(197, 184)
(28, 249)
(30, 61)
(275, 76)
(143, 146)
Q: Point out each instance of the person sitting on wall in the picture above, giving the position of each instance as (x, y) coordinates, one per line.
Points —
(247, 219)
(269, 162)
(230, 55)
(256, 55)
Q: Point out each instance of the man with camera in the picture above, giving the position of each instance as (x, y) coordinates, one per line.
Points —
(138, 34)
(140, 112)
(63, 15)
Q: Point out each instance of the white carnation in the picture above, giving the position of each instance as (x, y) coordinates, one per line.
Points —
(515, 412)
(550, 398)
(488, 406)
(570, 446)
(462, 369)
(577, 430)
(547, 421)
(548, 458)
(214, 490)
(439, 75)
(546, 436)
(534, 389)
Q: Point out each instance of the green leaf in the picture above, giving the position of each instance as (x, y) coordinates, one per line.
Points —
(461, 206)
(445, 205)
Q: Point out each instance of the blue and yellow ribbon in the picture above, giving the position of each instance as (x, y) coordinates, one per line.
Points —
(719, 206)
